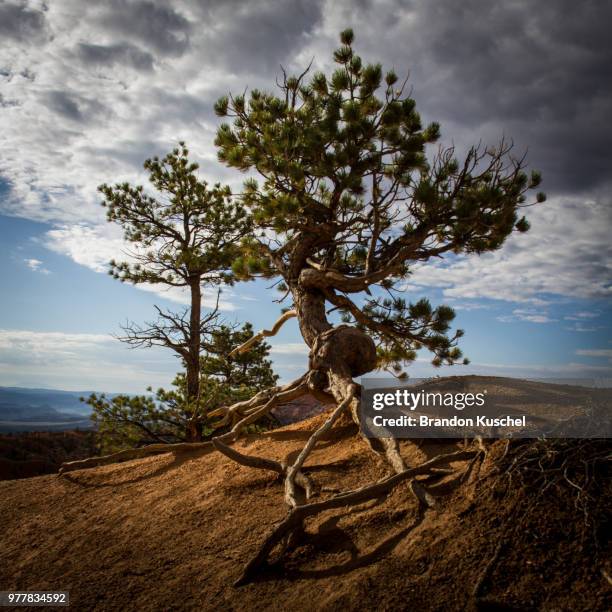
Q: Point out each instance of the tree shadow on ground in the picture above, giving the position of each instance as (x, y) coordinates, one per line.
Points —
(332, 539)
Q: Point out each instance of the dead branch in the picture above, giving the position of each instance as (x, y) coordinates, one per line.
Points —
(264, 333)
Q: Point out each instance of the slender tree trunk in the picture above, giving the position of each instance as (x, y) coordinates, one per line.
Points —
(194, 426)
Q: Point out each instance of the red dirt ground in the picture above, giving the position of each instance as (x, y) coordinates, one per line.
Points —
(172, 533)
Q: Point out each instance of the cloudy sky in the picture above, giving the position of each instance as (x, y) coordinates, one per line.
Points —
(90, 90)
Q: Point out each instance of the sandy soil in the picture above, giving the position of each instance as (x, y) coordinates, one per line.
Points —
(168, 533)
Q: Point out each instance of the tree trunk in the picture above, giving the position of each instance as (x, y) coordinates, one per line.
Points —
(312, 319)
(194, 426)
(337, 354)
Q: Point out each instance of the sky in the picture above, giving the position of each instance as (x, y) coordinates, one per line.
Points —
(88, 91)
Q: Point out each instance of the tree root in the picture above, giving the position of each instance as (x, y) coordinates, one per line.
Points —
(293, 391)
(133, 453)
(263, 404)
(293, 470)
(260, 463)
(299, 488)
(281, 468)
(298, 514)
(230, 414)
(481, 581)
(397, 463)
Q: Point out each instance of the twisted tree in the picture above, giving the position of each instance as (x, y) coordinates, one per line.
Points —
(346, 203)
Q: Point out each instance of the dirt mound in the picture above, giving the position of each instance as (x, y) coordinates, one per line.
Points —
(167, 532)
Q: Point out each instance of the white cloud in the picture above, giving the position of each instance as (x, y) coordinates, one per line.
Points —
(80, 361)
(468, 306)
(94, 247)
(45, 343)
(549, 259)
(526, 314)
(290, 348)
(582, 315)
(36, 265)
(33, 264)
(580, 327)
(102, 86)
(595, 353)
(116, 82)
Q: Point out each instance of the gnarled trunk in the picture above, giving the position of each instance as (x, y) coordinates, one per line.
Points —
(312, 319)
(337, 354)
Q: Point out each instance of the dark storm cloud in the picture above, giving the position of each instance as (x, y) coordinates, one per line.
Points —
(257, 36)
(63, 104)
(18, 22)
(110, 55)
(157, 26)
(537, 71)
(74, 106)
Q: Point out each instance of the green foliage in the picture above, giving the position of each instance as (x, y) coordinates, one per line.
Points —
(126, 421)
(349, 193)
(184, 234)
(189, 233)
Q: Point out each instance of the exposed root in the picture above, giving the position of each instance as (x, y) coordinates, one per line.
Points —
(249, 460)
(231, 414)
(484, 575)
(395, 459)
(397, 463)
(293, 470)
(255, 408)
(302, 480)
(295, 390)
(469, 472)
(133, 453)
(264, 333)
(298, 514)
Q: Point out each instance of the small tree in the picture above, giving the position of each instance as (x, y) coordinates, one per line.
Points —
(185, 236)
(125, 421)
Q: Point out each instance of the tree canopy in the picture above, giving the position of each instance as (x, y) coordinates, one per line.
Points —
(348, 199)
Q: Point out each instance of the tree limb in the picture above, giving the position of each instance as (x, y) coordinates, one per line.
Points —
(264, 333)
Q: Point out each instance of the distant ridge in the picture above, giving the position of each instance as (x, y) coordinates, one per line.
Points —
(23, 409)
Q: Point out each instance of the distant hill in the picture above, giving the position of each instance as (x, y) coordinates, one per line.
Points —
(42, 410)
